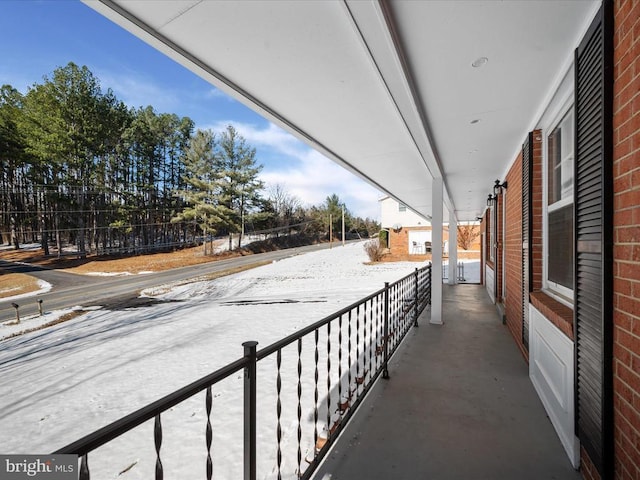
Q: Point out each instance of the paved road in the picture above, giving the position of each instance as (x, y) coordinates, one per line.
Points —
(71, 289)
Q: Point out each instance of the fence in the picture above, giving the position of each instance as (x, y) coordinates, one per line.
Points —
(346, 352)
(460, 271)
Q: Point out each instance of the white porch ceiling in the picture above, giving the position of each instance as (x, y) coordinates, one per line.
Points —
(385, 88)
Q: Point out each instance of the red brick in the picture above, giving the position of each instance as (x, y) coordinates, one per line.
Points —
(626, 339)
(622, 390)
(628, 235)
(627, 164)
(622, 286)
(625, 433)
(623, 356)
(622, 320)
(587, 467)
(635, 103)
(635, 178)
(628, 304)
(629, 125)
(632, 379)
(623, 182)
(628, 91)
(623, 217)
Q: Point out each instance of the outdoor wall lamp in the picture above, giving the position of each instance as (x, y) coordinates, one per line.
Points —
(497, 188)
(491, 199)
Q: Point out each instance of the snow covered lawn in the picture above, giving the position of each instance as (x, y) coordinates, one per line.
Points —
(65, 381)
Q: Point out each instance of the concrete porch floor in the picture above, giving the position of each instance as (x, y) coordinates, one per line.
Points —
(458, 405)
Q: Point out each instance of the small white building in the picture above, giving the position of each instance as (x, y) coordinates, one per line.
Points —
(409, 233)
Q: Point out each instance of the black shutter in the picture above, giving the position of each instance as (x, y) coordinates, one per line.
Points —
(593, 241)
(527, 228)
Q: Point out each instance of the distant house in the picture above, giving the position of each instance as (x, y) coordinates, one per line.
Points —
(409, 233)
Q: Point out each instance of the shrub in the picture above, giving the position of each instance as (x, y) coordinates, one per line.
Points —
(374, 250)
(383, 236)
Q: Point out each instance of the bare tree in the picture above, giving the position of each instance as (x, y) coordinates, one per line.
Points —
(467, 234)
(284, 205)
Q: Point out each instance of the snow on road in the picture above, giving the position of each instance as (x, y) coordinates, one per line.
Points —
(66, 381)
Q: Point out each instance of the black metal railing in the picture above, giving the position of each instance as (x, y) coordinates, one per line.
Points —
(322, 372)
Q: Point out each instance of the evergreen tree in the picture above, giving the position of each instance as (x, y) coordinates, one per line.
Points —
(12, 161)
(241, 186)
(204, 195)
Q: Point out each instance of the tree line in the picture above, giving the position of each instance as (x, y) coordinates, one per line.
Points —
(79, 168)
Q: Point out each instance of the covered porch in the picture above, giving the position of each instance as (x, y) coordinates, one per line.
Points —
(437, 104)
(459, 404)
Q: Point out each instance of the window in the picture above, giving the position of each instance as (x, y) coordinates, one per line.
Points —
(402, 207)
(559, 206)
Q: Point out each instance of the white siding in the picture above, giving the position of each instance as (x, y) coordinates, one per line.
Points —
(390, 215)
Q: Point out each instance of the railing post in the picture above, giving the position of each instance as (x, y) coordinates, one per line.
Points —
(415, 299)
(84, 468)
(250, 411)
(16, 306)
(385, 365)
(430, 282)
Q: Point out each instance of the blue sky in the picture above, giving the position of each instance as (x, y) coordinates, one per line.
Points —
(39, 36)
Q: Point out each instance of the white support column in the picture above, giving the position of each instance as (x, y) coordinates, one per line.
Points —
(453, 249)
(436, 252)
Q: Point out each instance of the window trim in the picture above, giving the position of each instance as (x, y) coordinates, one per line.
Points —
(559, 292)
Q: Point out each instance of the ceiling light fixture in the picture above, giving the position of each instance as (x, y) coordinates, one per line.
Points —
(479, 62)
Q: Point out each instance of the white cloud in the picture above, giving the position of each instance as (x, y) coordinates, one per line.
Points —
(317, 177)
(272, 137)
(308, 174)
(214, 93)
(137, 91)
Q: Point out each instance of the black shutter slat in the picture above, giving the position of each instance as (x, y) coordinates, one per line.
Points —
(589, 210)
(592, 176)
(589, 217)
(593, 191)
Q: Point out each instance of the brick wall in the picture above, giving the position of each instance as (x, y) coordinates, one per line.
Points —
(536, 212)
(499, 248)
(513, 239)
(513, 253)
(399, 241)
(626, 171)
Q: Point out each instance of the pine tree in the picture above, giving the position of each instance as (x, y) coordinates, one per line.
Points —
(241, 185)
(204, 196)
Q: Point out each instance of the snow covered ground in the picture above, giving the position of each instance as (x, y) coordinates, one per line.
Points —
(65, 381)
(471, 271)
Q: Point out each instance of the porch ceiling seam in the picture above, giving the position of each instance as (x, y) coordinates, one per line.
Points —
(381, 77)
(403, 61)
